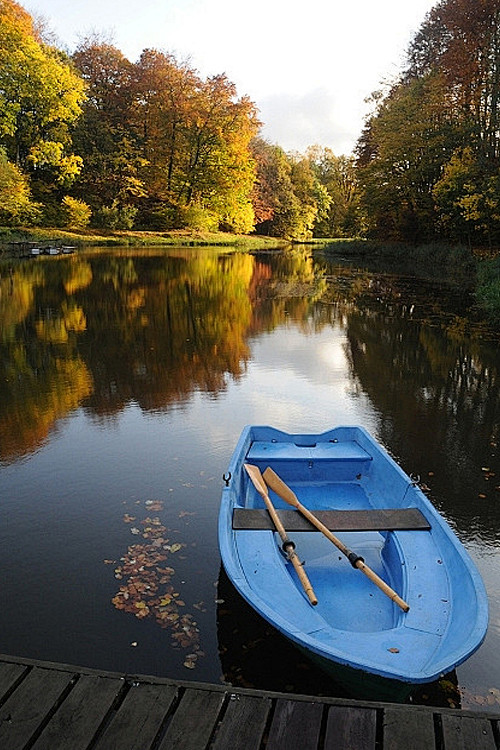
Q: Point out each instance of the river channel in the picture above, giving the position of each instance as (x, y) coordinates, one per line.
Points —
(126, 377)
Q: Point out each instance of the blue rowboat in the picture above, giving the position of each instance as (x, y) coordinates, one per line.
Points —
(368, 504)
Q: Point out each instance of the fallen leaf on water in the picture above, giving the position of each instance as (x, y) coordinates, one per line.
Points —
(154, 505)
(174, 547)
(145, 584)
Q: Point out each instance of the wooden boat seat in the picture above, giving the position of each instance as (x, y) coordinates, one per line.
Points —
(383, 519)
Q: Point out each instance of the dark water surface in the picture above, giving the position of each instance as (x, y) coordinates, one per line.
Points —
(125, 381)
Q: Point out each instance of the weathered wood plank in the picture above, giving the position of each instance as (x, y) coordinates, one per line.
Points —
(138, 719)
(296, 725)
(77, 720)
(9, 674)
(194, 721)
(351, 727)
(467, 733)
(408, 727)
(383, 519)
(25, 710)
(243, 725)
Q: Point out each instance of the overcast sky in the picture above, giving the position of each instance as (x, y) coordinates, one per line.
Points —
(308, 66)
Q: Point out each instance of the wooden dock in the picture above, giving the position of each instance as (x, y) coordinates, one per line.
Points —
(45, 706)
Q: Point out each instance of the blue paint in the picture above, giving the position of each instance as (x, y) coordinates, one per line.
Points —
(354, 623)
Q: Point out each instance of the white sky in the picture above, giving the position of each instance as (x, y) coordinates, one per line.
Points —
(308, 66)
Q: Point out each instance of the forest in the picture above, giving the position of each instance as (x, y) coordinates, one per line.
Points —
(93, 139)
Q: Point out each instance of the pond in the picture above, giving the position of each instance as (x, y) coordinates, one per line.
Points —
(126, 378)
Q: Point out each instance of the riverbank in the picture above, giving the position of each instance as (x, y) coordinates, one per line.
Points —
(10, 237)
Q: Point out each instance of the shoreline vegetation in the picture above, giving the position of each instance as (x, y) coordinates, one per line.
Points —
(11, 237)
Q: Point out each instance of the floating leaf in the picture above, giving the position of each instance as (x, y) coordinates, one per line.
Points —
(154, 505)
(175, 547)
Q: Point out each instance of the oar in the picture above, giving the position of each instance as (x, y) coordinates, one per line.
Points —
(288, 546)
(282, 489)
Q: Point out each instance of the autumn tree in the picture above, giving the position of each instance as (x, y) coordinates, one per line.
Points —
(288, 197)
(195, 138)
(461, 39)
(429, 155)
(105, 137)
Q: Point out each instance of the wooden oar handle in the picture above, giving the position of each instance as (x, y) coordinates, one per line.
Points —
(291, 554)
(306, 584)
(261, 487)
(383, 586)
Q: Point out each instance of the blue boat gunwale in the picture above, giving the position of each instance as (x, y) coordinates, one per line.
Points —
(370, 448)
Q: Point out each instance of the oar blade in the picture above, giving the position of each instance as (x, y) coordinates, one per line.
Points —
(258, 482)
(277, 485)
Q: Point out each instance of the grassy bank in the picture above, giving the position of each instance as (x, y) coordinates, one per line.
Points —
(10, 236)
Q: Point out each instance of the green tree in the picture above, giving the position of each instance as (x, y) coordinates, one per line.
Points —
(401, 154)
(16, 206)
(40, 98)
(337, 174)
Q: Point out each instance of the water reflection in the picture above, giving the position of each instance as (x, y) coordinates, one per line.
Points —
(108, 339)
(103, 330)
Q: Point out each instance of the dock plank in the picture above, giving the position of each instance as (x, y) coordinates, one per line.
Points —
(464, 733)
(244, 723)
(47, 706)
(295, 726)
(408, 729)
(138, 719)
(194, 720)
(24, 712)
(351, 727)
(76, 722)
(9, 674)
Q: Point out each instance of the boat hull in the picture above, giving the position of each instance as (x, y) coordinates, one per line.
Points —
(355, 625)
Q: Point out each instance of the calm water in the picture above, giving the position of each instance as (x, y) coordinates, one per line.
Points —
(125, 381)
